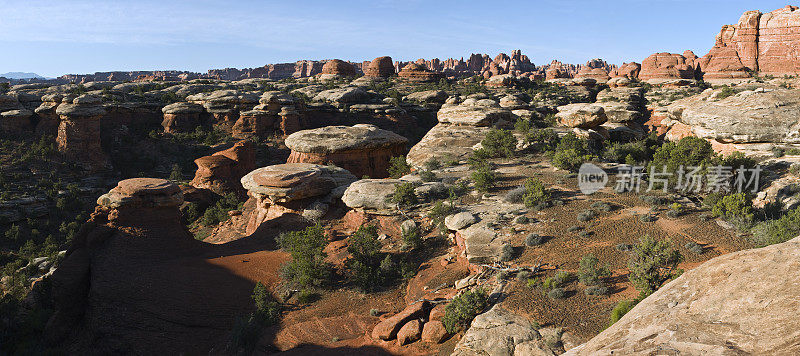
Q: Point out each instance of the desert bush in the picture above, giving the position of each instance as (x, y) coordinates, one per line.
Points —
(590, 272)
(621, 309)
(737, 206)
(404, 195)
(560, 279)
(307, 267)
(460, 312)
(586, 215)
(484, 178)
(557, 293)
(651, 264)
(176, 174)
(689, 151)
(365, 264)
(632, 153)
(506, 253)
(571, 152)
(542, 140)
(514, 196)
(574, 228)
(499, 143)
(427, 175)
(602, 206)
(596, 290)
(534, 240)
(412, 238)
(647, 218)
(777, 231)
(398, 167)
(247, 330)
(522, 219)
(433, 164)
(535, 193)
(694, 247)
(218, 212)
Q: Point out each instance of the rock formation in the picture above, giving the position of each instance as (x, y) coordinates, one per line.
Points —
(275, 112)
(338, 67)
(628, 70)
(381, 67)
(418, 73)
(182, 117)
(362, 149)
(666, 66)
(222, 171)
(764, 43)
(596, 69)
(79, 131)
(291, 188)
(48, 119)
(225, 105)
(738, 303)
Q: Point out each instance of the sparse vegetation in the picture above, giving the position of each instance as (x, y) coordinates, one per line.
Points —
(621, 309)
(591, 273)
(404, 195)
(367, 269)
(571, 152)
(776, 231)
(484, 177)
(398, 167)
(499, 143)
(652, 263)
(460, 312)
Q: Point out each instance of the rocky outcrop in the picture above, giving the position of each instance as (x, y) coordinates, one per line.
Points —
(338, 68)
(79, 131)
(276, 112)
(414, 72)
(739, 303)
(48, 119)
(761, 115)
(474, 111)
(291, 188)
(627, 70)
(446, 142)
(764, 43)
(222, 171)
(381, 67)
(182, 117)
(363, 149)
(225, 105)
(666, 66)
(496, 332)
(581, 115)
(596, 69)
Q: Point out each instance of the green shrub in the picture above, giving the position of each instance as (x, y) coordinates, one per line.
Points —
(367, 259)
(412, 238)
(398, 167)
(689, 151)
(621, 309)
(460, 312)
(558, 280)
(307, 267)
(247, 330)
(542, 140)
(176, 174)
(484, 178)
(557, 293)
(499, 143)
(219, 211)
(651, 264)
(632, 153)
(590, 272)
(596, 290)
(586, 215)
(404, 195)
(737, 206)
(535, 193)
(427, 176)
(571, 152)
(506, 253)
(694, 247)
(777, 231)
(433, 164)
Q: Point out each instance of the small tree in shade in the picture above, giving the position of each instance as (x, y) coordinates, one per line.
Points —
(307, 267)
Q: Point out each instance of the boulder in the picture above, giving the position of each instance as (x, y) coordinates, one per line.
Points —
(343, 95)
(381, 67)
(388, 328)
(372, 196)
(182, 117)
(434, 332)
(364, 150)
(627, 70)
(16, 121)
(147, 203)
(428, 96)
(496, 332)
(581, 115)
(409, 333)
(738, 303)
(460, 220)
(446, 142)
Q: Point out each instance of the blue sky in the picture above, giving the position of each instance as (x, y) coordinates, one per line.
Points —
(53, 38)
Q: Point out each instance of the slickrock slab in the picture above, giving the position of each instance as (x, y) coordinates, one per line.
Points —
(474, 112)
(496, 332)
(749, 116)
(364, 150)
(388, 328)
(142, 193)
(739, 303)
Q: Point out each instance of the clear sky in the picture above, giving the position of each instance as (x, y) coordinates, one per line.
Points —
(56, 37)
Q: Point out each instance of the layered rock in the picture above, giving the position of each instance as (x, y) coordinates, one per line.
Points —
(182, 117)
(275, 112)
(418, 73)
(628, 70)
(338, 68)
(581, 115)
(743, 303)
(474, 112)
(666, 66)
(292, 187)
(497, 332)
(363, 149)
(381, 67)
(225, 105)
(596, 69)
(143, 202)
(79, 131)
(765, 43)
(747, 117)
(222, 171)
(48, 119)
